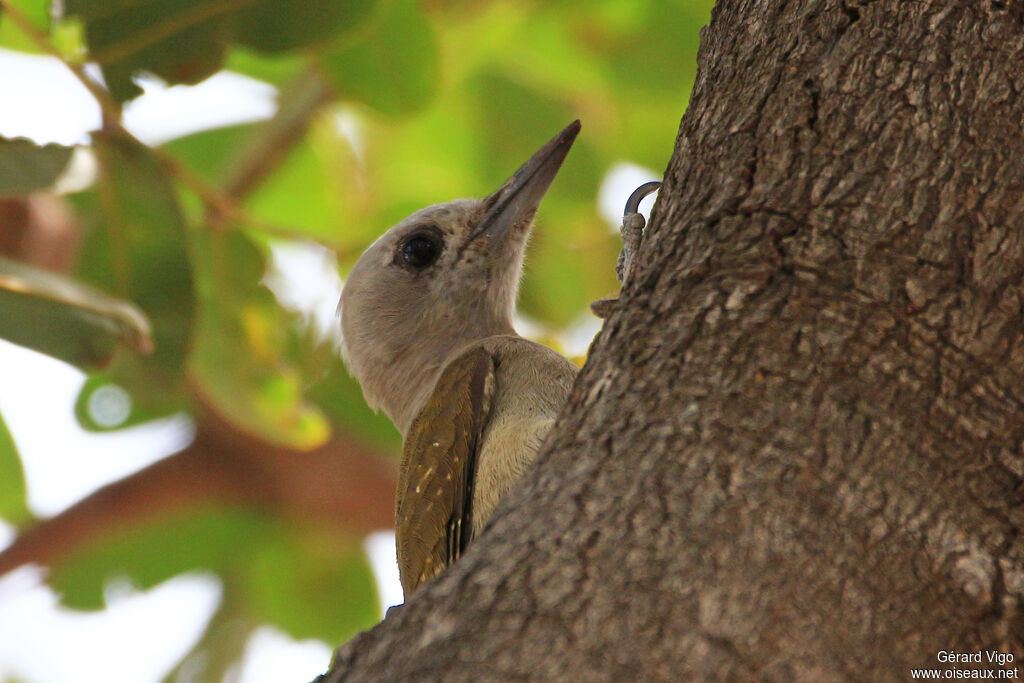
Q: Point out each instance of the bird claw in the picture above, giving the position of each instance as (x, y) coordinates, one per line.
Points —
(633, 224)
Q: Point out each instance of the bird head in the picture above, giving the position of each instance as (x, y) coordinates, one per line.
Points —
(440, 279)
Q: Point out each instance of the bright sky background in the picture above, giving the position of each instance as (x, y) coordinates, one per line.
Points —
(142, 634)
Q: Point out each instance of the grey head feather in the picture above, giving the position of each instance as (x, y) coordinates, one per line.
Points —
(401, 324)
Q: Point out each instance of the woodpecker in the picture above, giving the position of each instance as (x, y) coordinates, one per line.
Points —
(426, 317)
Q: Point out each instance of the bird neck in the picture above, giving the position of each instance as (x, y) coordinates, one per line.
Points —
(401, 382)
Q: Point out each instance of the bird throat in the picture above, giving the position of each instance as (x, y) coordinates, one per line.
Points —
(401, 383)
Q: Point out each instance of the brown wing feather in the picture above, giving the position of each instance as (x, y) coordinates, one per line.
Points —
(433, 511)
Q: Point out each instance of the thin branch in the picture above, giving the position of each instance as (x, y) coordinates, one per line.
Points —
(342, 485)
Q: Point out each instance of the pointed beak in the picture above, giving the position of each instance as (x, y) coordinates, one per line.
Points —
(522, 193)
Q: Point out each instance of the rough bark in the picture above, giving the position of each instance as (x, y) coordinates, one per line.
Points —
(797, 449)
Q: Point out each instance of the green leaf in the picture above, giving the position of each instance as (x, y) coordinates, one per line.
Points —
(299, 195)
(156, 550)
(26, 167)
(303, 195)
(37, 12)
(13, 494)
(340, 398)
(655, 56)
(311, 585)
(185, 41)
(89, 401)
(296, 576)
(277, 69)
(393, 66)
(572, 255)
(208, 153)
(136, 246)
(66, 319)
(275, 25)
(239, 358)
(517, 119)
(181, 41)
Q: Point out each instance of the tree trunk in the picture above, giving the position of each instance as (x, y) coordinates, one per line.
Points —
(797, 449)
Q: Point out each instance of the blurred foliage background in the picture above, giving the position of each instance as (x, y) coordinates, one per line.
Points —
(159, 288)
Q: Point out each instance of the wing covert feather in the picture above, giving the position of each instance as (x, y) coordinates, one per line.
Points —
(433, 508)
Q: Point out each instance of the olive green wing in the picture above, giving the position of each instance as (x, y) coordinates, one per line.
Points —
(433, 510)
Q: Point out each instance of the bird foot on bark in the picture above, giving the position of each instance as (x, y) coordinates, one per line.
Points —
(632, 236)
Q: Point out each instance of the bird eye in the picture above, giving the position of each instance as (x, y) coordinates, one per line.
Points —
(420, 250)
